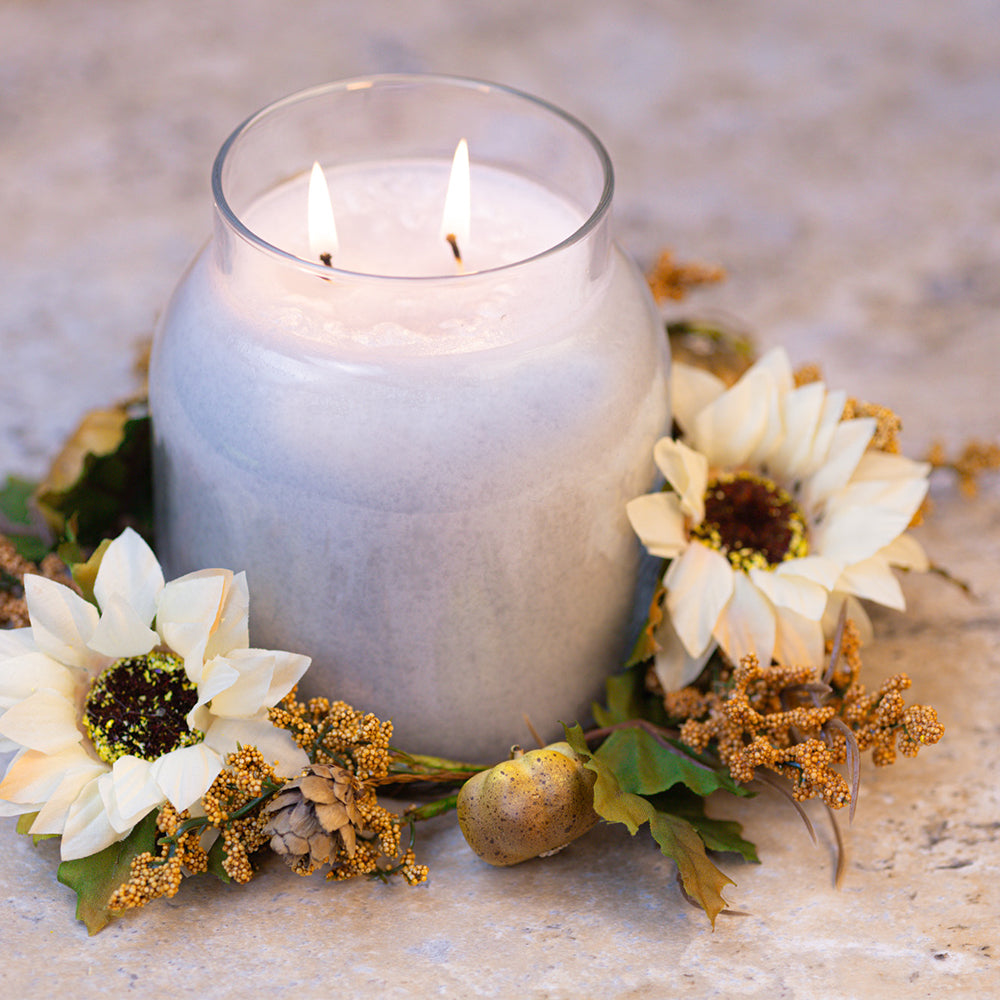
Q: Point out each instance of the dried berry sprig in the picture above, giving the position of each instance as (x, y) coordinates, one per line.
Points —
(13, 606)
(232, 806)
(670, 278)
(974, 460)
(802, 726)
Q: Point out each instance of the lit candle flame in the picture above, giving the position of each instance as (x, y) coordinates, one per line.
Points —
(457, 202)
(323, 242)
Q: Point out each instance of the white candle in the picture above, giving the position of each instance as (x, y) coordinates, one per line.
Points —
(424, 477)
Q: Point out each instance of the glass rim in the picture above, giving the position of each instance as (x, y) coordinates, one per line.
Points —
(232, 219)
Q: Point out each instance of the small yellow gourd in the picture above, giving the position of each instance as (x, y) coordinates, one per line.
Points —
(533, 804)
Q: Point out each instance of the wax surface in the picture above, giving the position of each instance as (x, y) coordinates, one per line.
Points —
(388, 218)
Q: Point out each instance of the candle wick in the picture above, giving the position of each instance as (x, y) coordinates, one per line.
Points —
(327, 259)
(453, 243)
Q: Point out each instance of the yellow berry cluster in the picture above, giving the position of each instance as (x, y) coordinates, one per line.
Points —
(883, 723)
(801, 726)
(152, 876)
(975, 459)
(336, 733)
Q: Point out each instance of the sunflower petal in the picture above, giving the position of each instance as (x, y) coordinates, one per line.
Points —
(187, 611)
(777, 365)
(747, 623)
(51, 817)
(218, 675)
(882, 465)
(691, 390)
(850, 439)
(816, 568)
(22, 675)
(130, 573)
(699, 585)
(34, 776)
(829, 420)
(246, 696)
(732, 427)
(233, 630)
(87, 829)
(866, 518)
(659, 522)
(796, 593)
(185, 775)
(121, 631)
(16, 641)
(798, 640)
(44, 721)
(801, 411)
(276, 745)
(873, 580)
(907, 553)
(686, 470)
(674, 666)
(288, 671)
(131, 793)
(61, 622)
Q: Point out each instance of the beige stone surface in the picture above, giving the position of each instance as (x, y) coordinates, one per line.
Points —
(841, 160)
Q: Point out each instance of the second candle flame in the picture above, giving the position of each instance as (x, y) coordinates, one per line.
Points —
(323, 242)
(455, 220)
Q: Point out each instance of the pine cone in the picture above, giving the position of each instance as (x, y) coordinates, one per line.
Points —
(310, 812)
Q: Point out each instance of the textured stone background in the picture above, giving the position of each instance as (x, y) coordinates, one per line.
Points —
(842, 161)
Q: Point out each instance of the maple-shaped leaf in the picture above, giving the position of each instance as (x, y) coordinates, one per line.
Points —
(96, 877)
(648, 764)
(101, 481)
(678, 840)
(717, 834)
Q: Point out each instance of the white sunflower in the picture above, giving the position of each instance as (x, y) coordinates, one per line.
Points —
(774, 513)
(114, 711)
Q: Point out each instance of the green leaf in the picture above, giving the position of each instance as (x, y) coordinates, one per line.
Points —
(95, 878)
(30, 547)
(623, 696)
(15, 506)
(702, 881)
(627, 698)
(216, 855)
(645, 765)
(677, 838)
(102, 477)
(610, 802)
(24, 822)
(15, 496)
(717, 834)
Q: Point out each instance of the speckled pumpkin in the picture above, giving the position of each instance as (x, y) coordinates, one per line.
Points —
(533, 804)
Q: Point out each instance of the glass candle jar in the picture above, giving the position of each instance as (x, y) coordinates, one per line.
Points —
(421, 465)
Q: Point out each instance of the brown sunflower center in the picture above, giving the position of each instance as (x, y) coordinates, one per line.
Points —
(752, 521)
(138, 706)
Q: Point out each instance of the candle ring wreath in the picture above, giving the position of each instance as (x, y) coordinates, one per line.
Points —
(157, 745)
